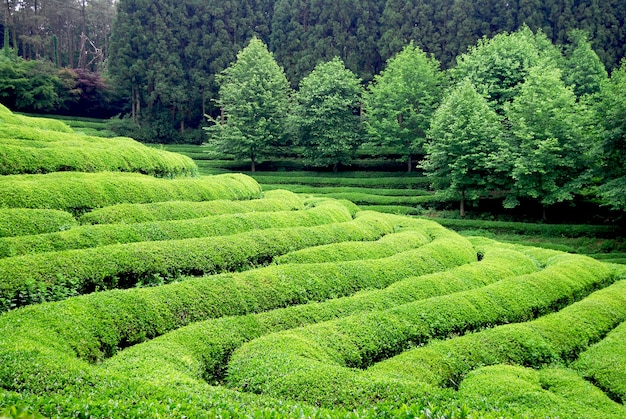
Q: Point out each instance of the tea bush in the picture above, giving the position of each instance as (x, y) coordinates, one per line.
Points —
(306, 364)
(181, 210)
(39, 277)
(21, 221)
(603, 364)
(90, 236)
(78, 192)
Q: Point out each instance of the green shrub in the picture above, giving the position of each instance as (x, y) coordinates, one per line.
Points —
(77, 192)
(50, 276)
(9, 118)
(306, 178)
(308, 364)
(513, 391)
(30, 150)
(556, 337)
(386, 246)
(89, 236)
(181, 210)
(604, 364)
(202, 349)
(321, 190)
(20, 221)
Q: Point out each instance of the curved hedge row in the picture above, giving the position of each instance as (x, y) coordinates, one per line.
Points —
(386, 246)
(321, 190)
(90, 236)
(556, 337)
(395, 182)
(308, 364)
(8, 117)
(77, 192)
(22, 221)
(182, 210)
(52, 276)
(514, 391)
(603, 364)
(92, 327)
(206, 346)
(119, 156)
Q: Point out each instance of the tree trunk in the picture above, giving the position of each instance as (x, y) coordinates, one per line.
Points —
(462, 206)
(252, 163)
(335, 167)
(543, 213)
(409, 167)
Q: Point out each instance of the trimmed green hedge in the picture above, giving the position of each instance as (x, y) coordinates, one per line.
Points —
(9, 118)
(371, 199)
(21, 221)
(202, 349)
(605, 364)
(556, 337)
(77, 192)
(547, 230)
(30, 150)
(90, 236)
(292, 178)
(182, 210)
(53, 276)
(514, 391)
(385, 246)
(321, 190)
(308, 364)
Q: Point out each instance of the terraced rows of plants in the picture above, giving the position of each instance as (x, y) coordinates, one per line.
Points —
(127, 295)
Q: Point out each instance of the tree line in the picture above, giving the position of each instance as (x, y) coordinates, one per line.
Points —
(165, 55)
(517, 118)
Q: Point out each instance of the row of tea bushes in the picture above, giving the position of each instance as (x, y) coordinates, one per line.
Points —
(9, 118)
(39, 145)
(556, 337)
(182, 210)
(515, 391)
(378, 180)
(24, 221)
(386, 246)
(50, 276)
(309, 364)
(202, 349)
(603, 364)
(89, 236)
(78, 192)
(91, 327)
(320, 190)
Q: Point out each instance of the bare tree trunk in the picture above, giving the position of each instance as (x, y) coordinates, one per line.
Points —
(462, 207)
(409, 164)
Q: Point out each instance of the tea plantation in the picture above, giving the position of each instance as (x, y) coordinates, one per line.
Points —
(132, 287)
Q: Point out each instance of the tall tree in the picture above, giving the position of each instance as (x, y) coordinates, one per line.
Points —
(583, 68)
(327, 114)
(254, 98)
(464, 137)
(401, 101)
(612, 115)
(548, 146)
(498, 66)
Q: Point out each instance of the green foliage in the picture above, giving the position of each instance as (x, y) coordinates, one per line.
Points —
(583, 68)
(181, 210)
(39, 277)
(327, 115)
(402, 99)
(549, 149)
(22, 221)
(602, 364)
(465, 134)
(77, 192)
(612, 151)
(254, 98)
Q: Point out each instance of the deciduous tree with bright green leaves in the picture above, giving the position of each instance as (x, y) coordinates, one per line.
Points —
(612, 115)
(465, 135)
(254, 96)
(401, 100)
(548, 145)
(582, 67)
(327, 114)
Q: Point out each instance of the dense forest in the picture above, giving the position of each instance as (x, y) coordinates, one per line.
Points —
(161, 57)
